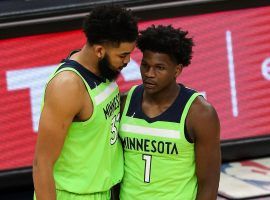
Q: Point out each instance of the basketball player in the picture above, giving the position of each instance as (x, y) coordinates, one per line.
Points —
(170, 134)
(78, 155)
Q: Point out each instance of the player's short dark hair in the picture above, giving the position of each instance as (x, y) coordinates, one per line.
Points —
(110, 23)
(166, 39)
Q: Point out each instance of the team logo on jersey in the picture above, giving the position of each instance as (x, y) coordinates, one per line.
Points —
(112, 106)
(147, 145)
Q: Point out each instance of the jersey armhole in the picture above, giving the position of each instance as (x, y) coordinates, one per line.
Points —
(86, 85)
(128, 100)
(184, 116)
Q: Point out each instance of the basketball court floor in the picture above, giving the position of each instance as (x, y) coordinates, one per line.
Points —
(248, 179)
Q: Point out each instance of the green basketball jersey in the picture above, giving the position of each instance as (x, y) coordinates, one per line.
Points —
(159, 161)
(91, 160)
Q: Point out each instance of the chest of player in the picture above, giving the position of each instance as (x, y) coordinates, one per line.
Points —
(160, 138)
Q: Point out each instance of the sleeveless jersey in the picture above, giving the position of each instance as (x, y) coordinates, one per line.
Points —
(91, 159)
(159, 158)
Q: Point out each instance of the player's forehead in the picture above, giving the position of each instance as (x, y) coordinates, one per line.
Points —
(156, 57)
(123, 47)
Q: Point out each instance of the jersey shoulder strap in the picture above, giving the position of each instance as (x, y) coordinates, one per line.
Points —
(128, 99)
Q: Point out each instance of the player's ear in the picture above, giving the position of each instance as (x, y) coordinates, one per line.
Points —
(178, 70)
(99, 51)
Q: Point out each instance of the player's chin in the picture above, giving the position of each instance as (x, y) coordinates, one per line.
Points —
(151, 89)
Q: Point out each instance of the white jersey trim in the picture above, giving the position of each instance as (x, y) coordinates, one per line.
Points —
(166, 133)
(105, 93)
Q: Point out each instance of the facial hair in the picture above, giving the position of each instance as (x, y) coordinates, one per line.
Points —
(105, 68)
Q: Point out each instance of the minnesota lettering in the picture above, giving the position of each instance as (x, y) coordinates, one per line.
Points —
(112, 106)
(147, 145)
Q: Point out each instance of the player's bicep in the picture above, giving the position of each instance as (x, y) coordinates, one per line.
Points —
(206, 128)
(62, 103)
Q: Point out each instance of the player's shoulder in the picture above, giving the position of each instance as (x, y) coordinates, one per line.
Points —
(66, 81)
(65, 90)
(203, 119)
(202, 110)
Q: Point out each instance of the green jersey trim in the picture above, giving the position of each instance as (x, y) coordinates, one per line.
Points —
(128, 99)
(184, 115)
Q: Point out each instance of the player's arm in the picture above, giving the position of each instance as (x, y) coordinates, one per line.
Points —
(63, 100)
(115, 191)
(203, 123)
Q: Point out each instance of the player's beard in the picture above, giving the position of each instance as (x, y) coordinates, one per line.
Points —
(105, 68)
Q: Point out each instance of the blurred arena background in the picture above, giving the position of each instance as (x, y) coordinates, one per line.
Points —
(231, 67)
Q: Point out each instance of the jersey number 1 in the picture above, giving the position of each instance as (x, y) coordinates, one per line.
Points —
(147, 168)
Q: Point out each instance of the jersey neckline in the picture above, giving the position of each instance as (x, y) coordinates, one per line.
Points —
(168, 110)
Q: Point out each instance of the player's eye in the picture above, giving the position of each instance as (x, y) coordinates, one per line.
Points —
(160, 68)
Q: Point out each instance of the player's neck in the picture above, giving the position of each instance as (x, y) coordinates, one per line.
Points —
(166, 96)
(87, 59)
